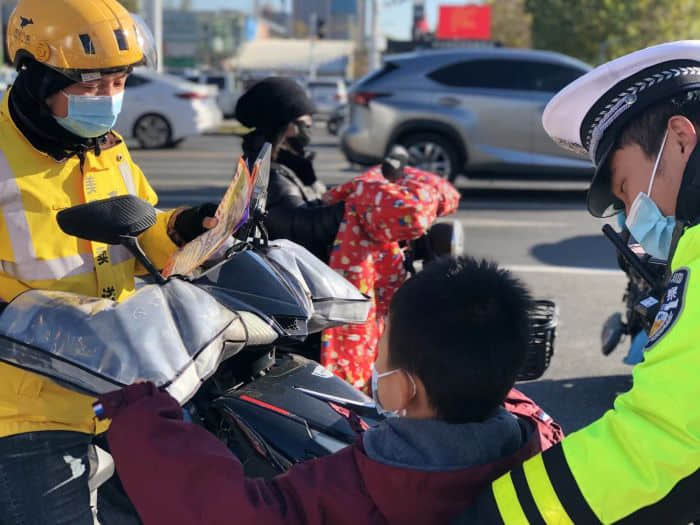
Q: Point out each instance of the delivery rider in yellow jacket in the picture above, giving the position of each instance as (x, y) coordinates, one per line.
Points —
(57, 150)
(638, 117)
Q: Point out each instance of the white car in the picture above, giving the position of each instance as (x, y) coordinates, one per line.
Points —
(327, 95)
(7, 77)
(161, 111)
(225, 83)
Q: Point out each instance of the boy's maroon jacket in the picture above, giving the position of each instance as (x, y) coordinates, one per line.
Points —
(178, 473)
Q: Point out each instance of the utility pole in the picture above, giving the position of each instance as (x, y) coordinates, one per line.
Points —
(362, 23)
(2, 26)
(313, 24)
(154, 15)
(374, 55)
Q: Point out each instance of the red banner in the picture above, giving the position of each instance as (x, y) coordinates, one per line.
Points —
(469, 22)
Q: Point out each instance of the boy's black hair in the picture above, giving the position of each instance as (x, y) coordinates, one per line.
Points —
(462, 327)
(647, 129)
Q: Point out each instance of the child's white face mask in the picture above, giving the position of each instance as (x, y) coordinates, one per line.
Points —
(375, 392)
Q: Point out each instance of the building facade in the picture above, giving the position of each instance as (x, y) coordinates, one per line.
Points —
(340, 17)
(201, 38)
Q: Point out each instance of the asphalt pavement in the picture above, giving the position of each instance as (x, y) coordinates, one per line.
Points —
(539, 229)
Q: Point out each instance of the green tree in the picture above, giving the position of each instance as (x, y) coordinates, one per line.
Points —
(511, 23)
(598, 30)
(134, 6)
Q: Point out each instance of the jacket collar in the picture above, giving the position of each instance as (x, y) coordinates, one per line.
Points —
(420, 443)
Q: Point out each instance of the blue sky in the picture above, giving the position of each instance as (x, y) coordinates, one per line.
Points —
(395, 21)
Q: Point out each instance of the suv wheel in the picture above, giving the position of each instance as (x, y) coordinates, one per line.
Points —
(434, 153)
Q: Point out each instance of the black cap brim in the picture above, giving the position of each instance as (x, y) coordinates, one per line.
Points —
(601, 200)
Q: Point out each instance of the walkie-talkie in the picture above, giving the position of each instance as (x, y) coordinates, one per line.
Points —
(649, 306)
(630, 257)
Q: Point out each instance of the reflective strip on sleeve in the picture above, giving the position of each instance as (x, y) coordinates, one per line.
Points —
(507, 501)
(527, 502)
(128, 177)
(13, 213)
(567, 490)
(543, 492)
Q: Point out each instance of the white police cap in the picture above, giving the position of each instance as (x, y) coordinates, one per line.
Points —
(588, 115)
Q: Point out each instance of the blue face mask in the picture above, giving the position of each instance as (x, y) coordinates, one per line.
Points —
(647, 224)
(91, 117)
(375, 392)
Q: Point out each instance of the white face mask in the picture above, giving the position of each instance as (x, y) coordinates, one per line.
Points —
(375, 392)
(645, 221)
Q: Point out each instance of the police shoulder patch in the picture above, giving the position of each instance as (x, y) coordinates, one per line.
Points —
(671, 306)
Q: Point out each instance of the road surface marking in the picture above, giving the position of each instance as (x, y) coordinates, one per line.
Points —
(501, 223)
(576, 270)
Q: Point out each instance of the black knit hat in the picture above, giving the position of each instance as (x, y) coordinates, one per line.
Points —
(32, 115)
(273, 103)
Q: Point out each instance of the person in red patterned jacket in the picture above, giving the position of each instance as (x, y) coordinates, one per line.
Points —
(379, 213)
(446, 371)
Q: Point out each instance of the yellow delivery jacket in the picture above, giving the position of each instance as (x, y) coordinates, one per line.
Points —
(35, 253)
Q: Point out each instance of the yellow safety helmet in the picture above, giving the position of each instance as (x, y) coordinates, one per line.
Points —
(83, 39)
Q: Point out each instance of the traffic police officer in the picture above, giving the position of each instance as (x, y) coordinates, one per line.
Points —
(638, 119)
(57, 150)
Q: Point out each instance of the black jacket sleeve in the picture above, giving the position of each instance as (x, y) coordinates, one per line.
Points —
(295, 212)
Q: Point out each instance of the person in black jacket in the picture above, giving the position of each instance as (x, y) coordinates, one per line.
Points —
(280, 112)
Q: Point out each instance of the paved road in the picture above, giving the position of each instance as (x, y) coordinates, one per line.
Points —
(546, 236)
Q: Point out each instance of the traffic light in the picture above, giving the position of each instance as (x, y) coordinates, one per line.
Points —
(420, 23)
(418, 13)
(320, 28)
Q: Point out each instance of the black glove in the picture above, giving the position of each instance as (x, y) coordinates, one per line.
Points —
(189, 223)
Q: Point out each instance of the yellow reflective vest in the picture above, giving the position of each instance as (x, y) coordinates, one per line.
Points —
(639, 463)
(35, 253)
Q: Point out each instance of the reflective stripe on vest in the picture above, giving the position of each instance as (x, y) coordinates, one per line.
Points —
(61, 267)
(128, 177)
(30, 268)
(13, 213)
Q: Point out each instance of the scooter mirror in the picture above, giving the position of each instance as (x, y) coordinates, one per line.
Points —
(108, 221)
(613, 329)
(261, 168)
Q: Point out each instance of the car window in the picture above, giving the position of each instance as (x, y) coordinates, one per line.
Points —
(136, 80)
(322, 85)
(387, 68)
(523, 75)
(217, 81)
(494, 74)
(193, 79)
(545, 76)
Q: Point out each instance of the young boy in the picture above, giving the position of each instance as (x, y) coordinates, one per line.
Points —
(456, 336)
